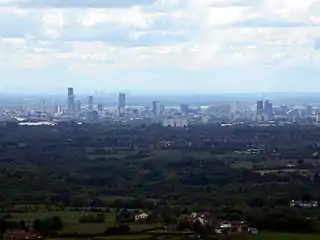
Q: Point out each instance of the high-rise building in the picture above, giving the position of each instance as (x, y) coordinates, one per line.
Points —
(71, 104)
(155, 108)
(93, 116)
(43, 106)
(162, 109)
(260, 108)
(90, 103)
(309, 110)
(78, 106)
(122, 103)
(268, 109)
(100, 107)
(184, 109)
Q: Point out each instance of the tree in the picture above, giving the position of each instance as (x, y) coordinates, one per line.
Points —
(23, 225)
(3, 226)
(39, 226)
(57, 223)
(183, 225)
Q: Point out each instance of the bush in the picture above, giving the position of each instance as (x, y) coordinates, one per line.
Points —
(90, 218)
(121, 229)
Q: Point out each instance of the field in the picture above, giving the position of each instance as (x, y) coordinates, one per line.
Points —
(72, 225)
(70, 219)
(284, 236)
(279, 171)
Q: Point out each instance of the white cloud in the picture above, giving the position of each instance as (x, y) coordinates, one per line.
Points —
(181, 34)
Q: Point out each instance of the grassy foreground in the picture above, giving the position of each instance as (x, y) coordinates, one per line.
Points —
(284, 236)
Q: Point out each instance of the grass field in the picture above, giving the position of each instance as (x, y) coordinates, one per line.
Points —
(284, 236)
(71, 221)
(126, 237)
(299, 171)
(72, 225)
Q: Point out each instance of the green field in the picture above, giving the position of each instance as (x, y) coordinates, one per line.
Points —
(72, 225)
(70, 220)
(284, 236)
(298, 171)
(126, 237)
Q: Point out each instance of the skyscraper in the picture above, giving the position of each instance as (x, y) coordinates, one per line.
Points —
(122, 103)
(268, 109)
(184, 109)
(259, 107)
(100, 107)
(155, 108)
(78, 106)
(90, 103)
(71, 104)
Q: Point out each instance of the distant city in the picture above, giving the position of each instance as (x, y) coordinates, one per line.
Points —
(260, 112)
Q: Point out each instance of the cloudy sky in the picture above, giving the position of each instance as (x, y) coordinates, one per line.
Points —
(160, 45)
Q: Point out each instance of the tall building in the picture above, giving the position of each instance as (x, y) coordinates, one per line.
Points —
(93, 116)
(260, 108)
(162, 109)
(71, 104)
(184, 109)
(43, 106)
(122, 103)
(100, 107)
(268, 109)
(90, 103)
(78, 106)
(155, 108)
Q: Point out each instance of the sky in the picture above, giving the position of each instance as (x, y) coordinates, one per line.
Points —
(160, 46)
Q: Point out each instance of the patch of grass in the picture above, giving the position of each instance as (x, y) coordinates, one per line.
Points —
(279, 171)
(85, 228)
(106, 156)
(66, 216)
(240, 164)
(284, 236)
(126, 237)
(70, 220)
(137, 227)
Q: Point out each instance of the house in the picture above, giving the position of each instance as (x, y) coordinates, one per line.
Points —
(312, 204)
(232, 226)
(202, 217)
(19, 234)
(253, 231)
(141, 217)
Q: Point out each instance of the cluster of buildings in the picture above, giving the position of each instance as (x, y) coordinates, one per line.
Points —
(122, 112)
(93, 110)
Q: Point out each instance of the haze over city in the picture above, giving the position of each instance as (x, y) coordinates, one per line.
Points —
(160, 46)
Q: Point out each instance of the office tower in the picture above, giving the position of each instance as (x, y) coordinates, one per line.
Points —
(78, 106)
(259, 107)
(90, 103)
(162, 109)
(184, 109)
(43, 106)
(71, 105)
(122, 103)
(309, 110)
(238, 105)
(155, 108)
(100, 107)
(93, 116)
(268, 109)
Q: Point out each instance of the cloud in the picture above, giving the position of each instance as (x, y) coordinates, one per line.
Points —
(98, 37)
(75, 3)
(317, 44)
(271, 23)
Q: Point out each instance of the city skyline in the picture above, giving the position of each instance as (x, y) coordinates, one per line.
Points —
(160, 46)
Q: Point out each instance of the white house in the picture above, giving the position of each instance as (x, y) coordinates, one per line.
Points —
(140, 217)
